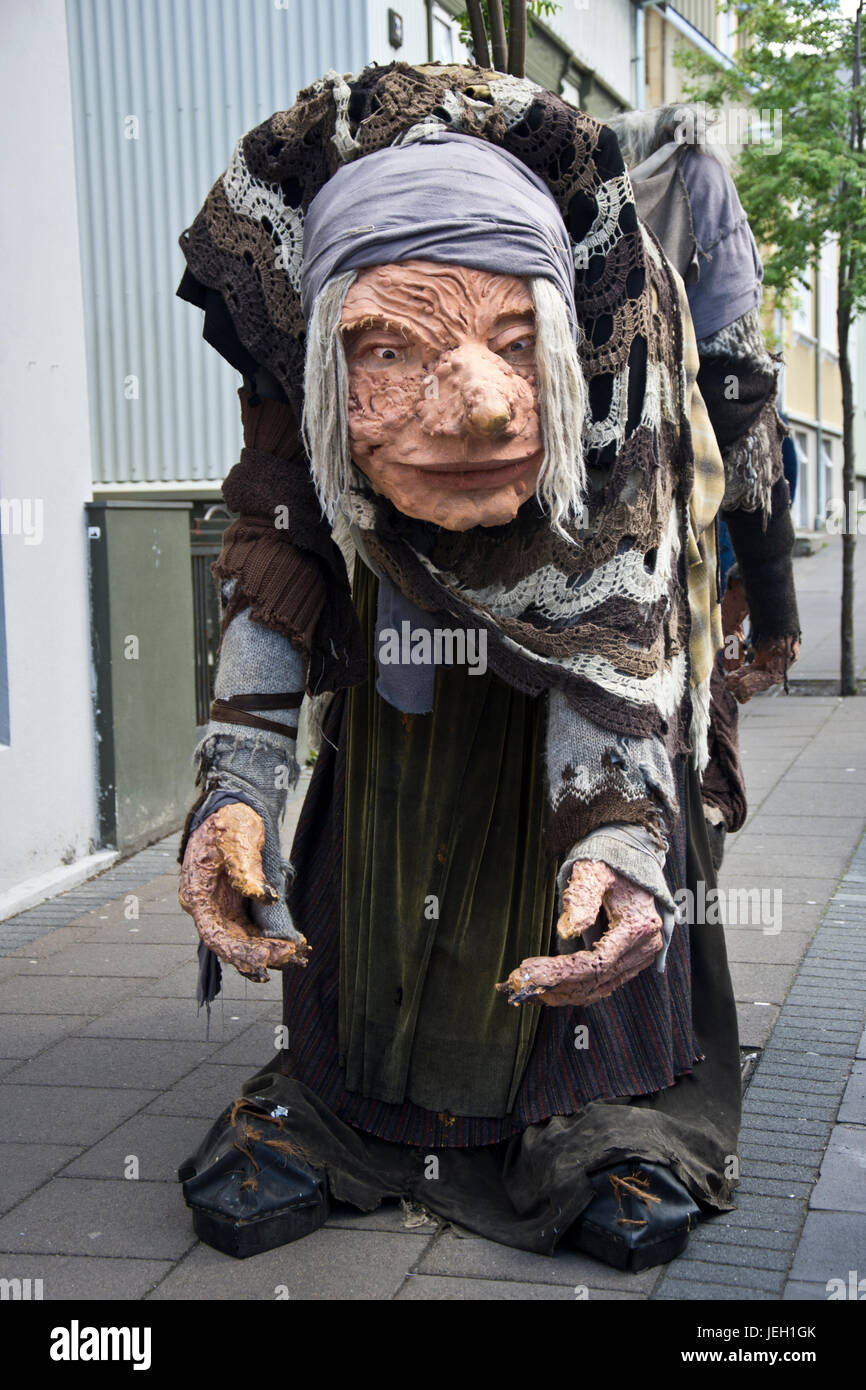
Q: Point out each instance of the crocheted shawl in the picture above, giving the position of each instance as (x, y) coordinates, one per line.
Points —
(602, 616)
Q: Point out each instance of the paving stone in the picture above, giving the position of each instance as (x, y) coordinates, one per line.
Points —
(782, 1124)
(765, 983)
(751, 861)
(330, 1265)
(26, 1035)
(775, 1187)
(706, 1271)
(111, 1062)
(832, 1243)
(180, 984)
(475, 1258)
(149, 929)
(37, 949)
(814, 801)
(804, 1028)
(798, 1292)
(749, 945)
(811, 1152)
(816, 1045)
(159, 1142)
(807, 1108)
(853, 1108)
(79, 1116)
(796, 918)
(770, 1213)
(255, 1045)
(204, 1093)
(713, 1233)
(24, 1167)
(181, 1019)
(81, 1279)
(84, 1216)
(420, 1288)
(786, 1066)
(88, 958)
(756, 1023)
(785, 1087)
(845, 828)
(693, 1291)
(754, 1256)
(842, 1182)
(861, 1047)
(50, 994)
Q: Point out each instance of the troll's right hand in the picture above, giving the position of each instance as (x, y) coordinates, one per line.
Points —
(222, 866)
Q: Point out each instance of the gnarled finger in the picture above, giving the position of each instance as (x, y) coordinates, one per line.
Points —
(242, 839)
(583, 896)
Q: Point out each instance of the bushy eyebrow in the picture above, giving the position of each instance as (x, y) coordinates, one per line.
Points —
(513, 316)
(377, 321)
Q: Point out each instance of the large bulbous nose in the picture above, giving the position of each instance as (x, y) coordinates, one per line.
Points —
(482, 380)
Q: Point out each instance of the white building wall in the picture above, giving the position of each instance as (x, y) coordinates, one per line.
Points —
(602, 39)
(48, 802)
(414, 16)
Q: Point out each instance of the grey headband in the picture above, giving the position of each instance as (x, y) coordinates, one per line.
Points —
(450, 198)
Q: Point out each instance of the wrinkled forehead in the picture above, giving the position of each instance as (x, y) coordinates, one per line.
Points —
(424, 299)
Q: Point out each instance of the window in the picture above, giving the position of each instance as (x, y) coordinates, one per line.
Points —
(827, 270)
(447, 47)
(827, 460)
(801, 501)
(726, 32)
(570, 92)
(803, 311)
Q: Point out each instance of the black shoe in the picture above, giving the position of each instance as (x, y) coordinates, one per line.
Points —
(248, 1186)
(640, 1216)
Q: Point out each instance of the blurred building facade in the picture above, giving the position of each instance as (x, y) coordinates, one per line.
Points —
(122, 423)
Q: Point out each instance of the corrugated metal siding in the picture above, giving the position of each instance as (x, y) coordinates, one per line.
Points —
(700, 13)
(196, 74)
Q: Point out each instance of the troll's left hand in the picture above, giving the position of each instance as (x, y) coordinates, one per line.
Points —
(597, 897)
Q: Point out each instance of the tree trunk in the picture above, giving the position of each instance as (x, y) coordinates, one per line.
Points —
(848, 681)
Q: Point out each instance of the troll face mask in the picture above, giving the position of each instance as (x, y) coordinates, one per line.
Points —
(443, 403)
(441, 346)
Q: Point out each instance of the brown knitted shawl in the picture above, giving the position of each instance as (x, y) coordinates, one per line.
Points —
(605, 617)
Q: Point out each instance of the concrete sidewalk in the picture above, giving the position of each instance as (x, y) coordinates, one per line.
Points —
(108, 1079)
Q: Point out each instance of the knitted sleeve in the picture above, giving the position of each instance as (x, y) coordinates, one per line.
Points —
(254, 762)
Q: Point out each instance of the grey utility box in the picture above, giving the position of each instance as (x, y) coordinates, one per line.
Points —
(144, 667)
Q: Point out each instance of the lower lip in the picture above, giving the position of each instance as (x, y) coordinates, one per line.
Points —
(466, 479)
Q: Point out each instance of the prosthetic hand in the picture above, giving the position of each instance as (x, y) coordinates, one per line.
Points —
(235, 871)
(222, 867)
(771, 658)
(763, 589)
(620, 926)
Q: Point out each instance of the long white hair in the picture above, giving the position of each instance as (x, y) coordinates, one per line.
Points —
(562, 397)
(641, 133)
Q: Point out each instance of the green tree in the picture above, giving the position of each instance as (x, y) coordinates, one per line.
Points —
(798, 64)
